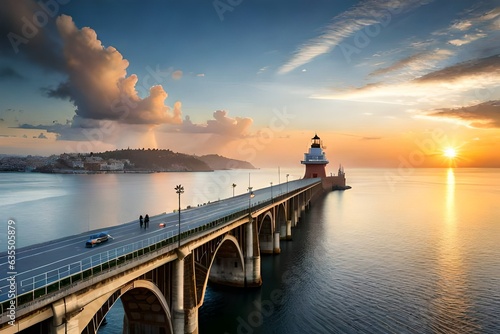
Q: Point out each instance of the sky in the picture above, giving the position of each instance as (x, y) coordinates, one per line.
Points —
(384, 83)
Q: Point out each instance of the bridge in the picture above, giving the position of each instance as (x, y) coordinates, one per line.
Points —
(160, 273)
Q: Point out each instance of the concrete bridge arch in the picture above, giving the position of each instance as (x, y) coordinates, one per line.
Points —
(227, 265)
(145, 306)
(283, 222)
(266, 229)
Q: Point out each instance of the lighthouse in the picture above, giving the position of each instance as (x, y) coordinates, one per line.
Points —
(315, 160)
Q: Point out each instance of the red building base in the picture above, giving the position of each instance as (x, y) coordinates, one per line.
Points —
(315, 170)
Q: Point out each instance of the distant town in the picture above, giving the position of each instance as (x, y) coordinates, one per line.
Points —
(120, 161)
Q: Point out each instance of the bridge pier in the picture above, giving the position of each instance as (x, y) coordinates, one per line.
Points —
(178, 295)
(252, 257)
(65, 320)
(276, 248)
(292, 212)
(283, 231)
(289, 229)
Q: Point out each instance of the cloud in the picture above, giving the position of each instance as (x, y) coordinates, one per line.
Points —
(98, 84)
(472, 28)
(475, 68)
(344, 25)
(226, 125)
(416, 63)
(483, 115)
(221, 125)
(434, 87)
(466, 39)
(262, 70)
(177, 75)
(10, 74)
(108, 101)
(23, 38)
(77, 129)
(462, 25)
(63, 91)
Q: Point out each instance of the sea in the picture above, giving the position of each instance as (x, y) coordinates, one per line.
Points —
(403, 251)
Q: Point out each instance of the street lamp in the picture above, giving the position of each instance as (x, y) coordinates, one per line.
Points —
(287, 175)
(234, 186)
(271, 191)
(179, 190)
(250, 196)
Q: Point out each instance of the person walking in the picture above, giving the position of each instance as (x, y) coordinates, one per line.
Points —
(146, 221)
(141, 221)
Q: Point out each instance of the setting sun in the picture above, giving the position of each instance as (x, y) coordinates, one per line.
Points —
(450, 152)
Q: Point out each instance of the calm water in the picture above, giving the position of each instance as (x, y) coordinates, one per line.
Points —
(409, 254)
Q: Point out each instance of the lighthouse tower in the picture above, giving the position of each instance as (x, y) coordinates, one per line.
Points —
(315, 160)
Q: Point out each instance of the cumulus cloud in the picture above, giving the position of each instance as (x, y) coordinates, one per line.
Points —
(344, 25)
(221, 124)
(226, 125)
(98, 84)
(106, 98)
(483, 115)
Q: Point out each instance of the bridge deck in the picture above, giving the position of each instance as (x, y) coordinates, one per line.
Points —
(40, 265)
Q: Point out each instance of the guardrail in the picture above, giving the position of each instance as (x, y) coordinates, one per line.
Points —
(30, 289)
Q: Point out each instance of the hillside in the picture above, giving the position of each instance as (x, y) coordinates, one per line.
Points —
(156, 160)
(166, 160)
(126, 160)
(218, 162)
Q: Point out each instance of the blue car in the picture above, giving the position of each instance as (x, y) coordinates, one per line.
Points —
(96, 239)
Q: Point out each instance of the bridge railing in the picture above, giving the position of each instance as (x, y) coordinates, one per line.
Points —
(38, 286)
(29, 289)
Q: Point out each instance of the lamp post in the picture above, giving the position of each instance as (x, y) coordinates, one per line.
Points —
(234, 186)
(179, 190)
(250, 195)
(271, 191)
(287, 175)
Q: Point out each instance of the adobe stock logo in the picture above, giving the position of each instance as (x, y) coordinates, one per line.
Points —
(31, 28)
(222, 6)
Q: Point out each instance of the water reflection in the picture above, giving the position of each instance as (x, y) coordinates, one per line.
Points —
(452, 304)
(450, 196)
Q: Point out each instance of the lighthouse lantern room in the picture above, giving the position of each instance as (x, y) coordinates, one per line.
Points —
(315, 160)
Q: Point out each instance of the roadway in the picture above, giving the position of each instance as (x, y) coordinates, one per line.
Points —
(41, 262)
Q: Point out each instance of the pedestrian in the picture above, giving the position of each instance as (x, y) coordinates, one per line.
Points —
(146, 221)
(140, 221)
